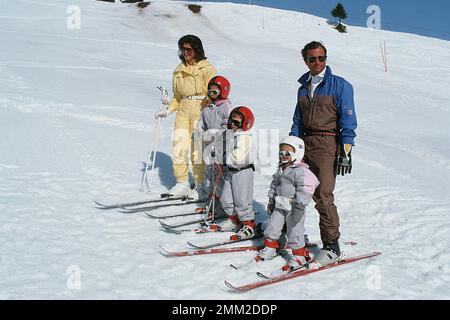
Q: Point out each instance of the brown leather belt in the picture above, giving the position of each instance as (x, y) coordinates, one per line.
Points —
(324, 133)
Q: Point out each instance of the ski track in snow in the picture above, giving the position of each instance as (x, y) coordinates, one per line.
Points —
(76, 125)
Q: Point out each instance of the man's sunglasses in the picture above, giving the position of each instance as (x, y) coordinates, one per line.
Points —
(212, 92)
(313, 59)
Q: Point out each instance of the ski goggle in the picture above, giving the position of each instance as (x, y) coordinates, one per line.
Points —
(235, 123)
(313, 59)
(283, 154)
(213, 92)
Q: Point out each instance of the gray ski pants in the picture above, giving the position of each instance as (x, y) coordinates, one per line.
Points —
(237, 194)
(295, 223)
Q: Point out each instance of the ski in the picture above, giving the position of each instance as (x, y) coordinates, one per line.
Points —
(178, 231)
(222, 243)
(195, 230)
(201, 211)
(163, 205)
(136, 203)
(204, 228)
(209, 251)
(173, 226)
(254, 259)
(296, 273)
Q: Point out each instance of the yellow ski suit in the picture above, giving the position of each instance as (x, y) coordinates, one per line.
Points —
(190, 87)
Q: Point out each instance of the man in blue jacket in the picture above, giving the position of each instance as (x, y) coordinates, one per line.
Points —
(325, 119)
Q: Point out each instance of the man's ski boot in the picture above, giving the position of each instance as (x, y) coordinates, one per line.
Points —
(330, 253)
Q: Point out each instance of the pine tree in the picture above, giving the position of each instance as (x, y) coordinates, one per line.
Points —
(339, 12)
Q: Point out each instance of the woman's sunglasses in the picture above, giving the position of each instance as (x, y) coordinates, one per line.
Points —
(186, 49)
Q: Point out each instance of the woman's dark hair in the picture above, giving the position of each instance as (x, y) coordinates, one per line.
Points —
(195, 43)
(311, 46)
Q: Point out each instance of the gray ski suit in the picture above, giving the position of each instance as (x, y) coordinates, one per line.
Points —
(292, 190)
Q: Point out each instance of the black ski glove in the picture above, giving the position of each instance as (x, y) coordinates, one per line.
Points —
(270, 206)
(344, 159)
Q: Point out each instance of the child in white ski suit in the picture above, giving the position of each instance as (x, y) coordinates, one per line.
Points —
(213, 122)
(237, 194)
(290, 192)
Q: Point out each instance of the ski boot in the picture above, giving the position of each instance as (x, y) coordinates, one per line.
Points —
(330, 253)
(299, 259)
(269, 251)
(246, 232)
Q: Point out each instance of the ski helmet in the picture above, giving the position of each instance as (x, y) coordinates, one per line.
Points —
(224, 85)
(247, 117)
(297, 144)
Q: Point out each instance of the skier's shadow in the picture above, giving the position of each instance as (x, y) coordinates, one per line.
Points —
(163, 162)
(261, 215)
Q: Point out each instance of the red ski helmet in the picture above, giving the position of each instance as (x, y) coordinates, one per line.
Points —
(246, 114)
(224, 85)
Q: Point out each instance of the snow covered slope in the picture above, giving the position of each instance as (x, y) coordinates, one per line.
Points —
(76, 122)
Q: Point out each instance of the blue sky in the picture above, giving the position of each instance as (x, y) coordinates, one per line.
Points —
(429, 18)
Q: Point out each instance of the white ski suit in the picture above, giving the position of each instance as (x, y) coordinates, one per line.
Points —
(237, 192)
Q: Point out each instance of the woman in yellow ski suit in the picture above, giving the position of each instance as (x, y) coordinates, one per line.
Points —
(190, 86)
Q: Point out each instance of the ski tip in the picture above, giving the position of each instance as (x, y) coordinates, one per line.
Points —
(164, 225)
(376, 253)
(149, 215)
(191, 244)
(103, 206)
(233, 266)
(229, 285)
(164, 252)
(195, 246)
(262, 275)
(168, 229)
(171, 231)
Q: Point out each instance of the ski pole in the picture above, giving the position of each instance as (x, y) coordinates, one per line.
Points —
(154, 145)
(217, 180)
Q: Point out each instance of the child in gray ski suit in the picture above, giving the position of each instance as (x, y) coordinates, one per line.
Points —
(290, 192)
(237, 193)
(212, 123)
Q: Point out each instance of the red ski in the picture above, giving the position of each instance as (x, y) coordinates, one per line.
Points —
(296, 273)
(209, 251)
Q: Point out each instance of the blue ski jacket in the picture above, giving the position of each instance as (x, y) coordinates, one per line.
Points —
(331, 109)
